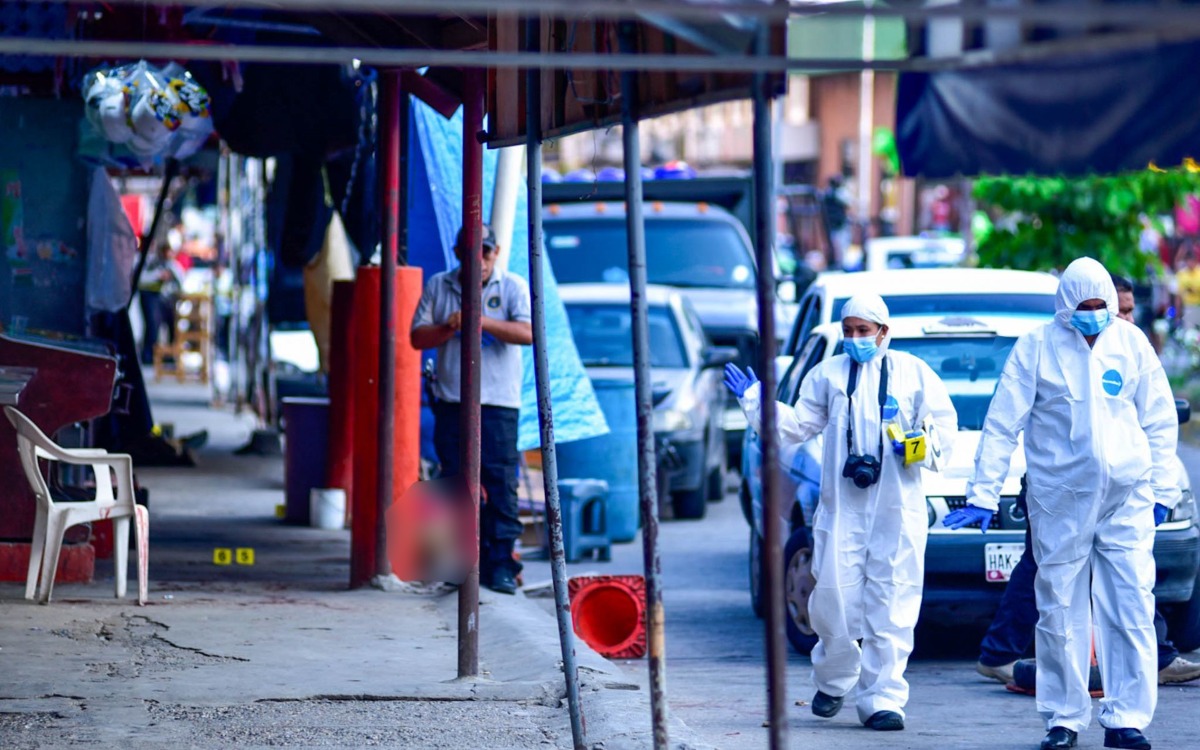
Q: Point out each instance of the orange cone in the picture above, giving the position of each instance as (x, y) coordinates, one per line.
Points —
(609, 613)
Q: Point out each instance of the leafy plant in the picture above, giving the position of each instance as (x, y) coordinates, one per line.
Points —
(1043, 223)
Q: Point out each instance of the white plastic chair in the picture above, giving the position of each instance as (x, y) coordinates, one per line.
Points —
(53, 519)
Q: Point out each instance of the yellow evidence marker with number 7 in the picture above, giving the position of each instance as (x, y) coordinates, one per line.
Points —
(913, 442)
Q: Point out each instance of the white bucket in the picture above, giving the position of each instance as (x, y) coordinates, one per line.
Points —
(327, 508)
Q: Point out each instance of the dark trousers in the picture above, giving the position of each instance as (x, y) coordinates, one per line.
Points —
(156, 310)
(499, 524)
(1012, 629)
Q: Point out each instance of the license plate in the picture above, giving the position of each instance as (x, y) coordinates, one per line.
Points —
(1000, 559)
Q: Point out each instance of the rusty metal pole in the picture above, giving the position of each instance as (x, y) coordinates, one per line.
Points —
(472, 332)
(541, 366)
(643, 390)
(391, 143)
(764, 224)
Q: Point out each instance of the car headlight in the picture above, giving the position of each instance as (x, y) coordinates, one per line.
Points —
(930, 512)
(672, 420)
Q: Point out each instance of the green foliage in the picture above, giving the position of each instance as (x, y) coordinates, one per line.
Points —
(1043, 223)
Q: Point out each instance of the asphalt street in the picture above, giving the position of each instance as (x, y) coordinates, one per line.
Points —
(716, 675)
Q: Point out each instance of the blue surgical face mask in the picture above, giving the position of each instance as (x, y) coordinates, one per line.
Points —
(1091, 322)
(861, 350)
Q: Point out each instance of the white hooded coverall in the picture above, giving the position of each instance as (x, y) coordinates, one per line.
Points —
(868, 544)
(1100, 426)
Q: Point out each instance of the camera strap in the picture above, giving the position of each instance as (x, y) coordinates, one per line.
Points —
(853, 385)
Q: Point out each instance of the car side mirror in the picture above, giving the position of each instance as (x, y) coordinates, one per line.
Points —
(1184, 410)
(785, 291)
(719, 356)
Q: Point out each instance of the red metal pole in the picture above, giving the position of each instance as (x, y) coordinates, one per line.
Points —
(391, 144)
(472, 332)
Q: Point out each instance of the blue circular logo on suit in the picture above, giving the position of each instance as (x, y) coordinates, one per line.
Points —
(1112, 382)
(890, 408)
(493, 303)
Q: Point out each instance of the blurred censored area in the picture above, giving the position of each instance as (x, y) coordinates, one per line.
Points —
(430, 529)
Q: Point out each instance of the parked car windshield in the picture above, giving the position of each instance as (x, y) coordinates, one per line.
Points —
(604, 336)
(969, 366)
(934, 304)
(681, 253)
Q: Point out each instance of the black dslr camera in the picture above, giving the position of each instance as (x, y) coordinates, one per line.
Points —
(862, 470)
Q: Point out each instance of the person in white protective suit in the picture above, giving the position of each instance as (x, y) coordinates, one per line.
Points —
(1100, 428)
(870, 525)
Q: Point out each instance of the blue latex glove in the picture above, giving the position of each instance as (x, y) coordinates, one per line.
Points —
(1160, 513)
(738, 381)
(967, 515)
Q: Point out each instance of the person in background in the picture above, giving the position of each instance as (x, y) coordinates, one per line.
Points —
(1012, 629)
(1092, 400)
(870, 526)
(506, 327)
(158, 287)
(1187, 279)
(835, 207)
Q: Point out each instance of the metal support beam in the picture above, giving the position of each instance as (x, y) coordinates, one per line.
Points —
(472, 332)
(764, 223)
(1067, 14)
(701, 9)
(541, 369)
(384, 58)
(391, 145)
(643, 392)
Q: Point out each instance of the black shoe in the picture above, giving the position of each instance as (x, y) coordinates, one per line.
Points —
(885, 721)
(826, 706)
(1059, 738)
(1129, 738)
(503, 582)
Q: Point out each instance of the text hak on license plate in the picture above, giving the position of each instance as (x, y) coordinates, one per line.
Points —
(1000, 559)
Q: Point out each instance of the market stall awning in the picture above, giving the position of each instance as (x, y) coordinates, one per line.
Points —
(1089, 113)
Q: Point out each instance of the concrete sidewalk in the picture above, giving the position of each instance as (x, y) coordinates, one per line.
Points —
(279, 653)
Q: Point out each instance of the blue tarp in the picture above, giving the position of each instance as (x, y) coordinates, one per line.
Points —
(435, 214)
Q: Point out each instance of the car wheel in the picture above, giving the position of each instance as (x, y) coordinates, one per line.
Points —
(756, 575)
(798, 583)
(690, 504)
(1183, 626)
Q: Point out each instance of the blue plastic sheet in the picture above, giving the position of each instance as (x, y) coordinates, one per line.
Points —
(577, 414)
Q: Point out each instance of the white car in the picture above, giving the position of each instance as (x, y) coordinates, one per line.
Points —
(885, 253)
(686, 370)
(964, 570)
(934, 291)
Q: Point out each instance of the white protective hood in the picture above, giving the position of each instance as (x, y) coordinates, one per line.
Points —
(1084, 279)
(870, 307)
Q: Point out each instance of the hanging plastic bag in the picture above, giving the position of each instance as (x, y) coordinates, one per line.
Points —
(155, 112)
(112, 248)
